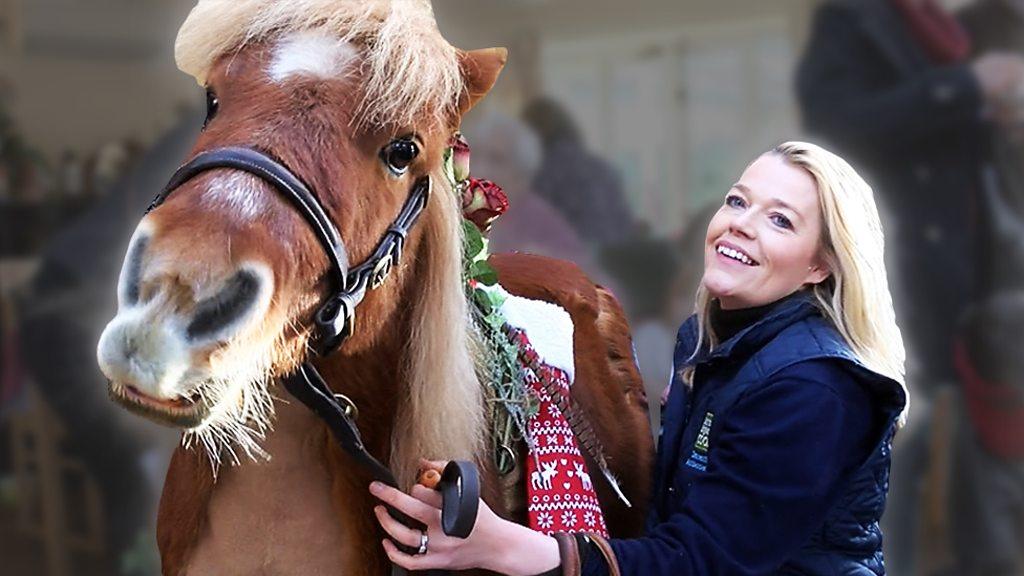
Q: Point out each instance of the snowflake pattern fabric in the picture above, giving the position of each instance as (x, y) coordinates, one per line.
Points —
(560, 490)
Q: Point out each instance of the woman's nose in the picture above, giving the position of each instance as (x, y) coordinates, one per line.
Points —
(742, 225)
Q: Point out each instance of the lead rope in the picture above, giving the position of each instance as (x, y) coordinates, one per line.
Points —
(460, 481)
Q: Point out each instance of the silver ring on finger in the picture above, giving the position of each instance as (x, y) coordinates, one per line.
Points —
(423, 543)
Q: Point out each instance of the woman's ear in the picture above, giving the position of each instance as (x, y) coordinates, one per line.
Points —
(818, 272)
(480, 70)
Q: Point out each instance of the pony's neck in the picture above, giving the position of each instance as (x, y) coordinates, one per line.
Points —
(304, 511)
(373, 381)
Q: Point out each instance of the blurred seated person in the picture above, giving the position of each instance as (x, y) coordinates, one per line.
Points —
(505, 152)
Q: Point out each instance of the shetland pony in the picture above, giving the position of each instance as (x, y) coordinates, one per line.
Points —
(359, 100)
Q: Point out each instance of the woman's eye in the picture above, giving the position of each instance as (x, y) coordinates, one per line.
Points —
(734, 201)
(781, 221)
(212, 105)
(399, 154)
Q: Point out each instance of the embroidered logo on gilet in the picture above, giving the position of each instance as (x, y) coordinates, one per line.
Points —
(698, 459)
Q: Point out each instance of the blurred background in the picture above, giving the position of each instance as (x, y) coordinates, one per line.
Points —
(616, 129)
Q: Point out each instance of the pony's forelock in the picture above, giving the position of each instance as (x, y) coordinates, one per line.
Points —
(409, 70)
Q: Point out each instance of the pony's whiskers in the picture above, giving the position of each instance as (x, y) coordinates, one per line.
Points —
(241, 408)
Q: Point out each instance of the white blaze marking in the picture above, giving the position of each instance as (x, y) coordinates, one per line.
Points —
(311, 53)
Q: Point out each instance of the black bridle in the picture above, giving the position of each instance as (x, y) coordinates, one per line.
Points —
(334, 320)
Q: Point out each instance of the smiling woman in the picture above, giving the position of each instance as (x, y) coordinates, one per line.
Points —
(763, 243)
(788, 388)
(808, 222)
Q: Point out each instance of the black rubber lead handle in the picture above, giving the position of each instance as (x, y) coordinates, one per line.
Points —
(460, 498)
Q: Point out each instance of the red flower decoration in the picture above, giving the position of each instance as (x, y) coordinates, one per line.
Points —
(460, 156)
(482, 202)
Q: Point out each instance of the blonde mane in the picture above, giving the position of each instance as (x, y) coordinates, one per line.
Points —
(442, 415)
(409, 70)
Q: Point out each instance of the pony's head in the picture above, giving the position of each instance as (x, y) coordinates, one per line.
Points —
(221, 281)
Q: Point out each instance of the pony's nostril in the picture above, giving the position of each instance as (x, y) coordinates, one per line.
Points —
(230, 305)
(133, 270)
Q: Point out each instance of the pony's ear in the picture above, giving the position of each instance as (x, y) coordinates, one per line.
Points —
(480, 69)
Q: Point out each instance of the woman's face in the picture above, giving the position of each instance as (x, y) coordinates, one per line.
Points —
(764, 242)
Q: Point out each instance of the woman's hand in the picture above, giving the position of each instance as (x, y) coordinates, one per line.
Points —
(494, 544)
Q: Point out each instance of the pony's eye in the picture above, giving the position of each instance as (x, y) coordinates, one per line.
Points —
(399, 154)
(212, 105)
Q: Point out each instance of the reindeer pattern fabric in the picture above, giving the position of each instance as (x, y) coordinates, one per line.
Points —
(561, 496)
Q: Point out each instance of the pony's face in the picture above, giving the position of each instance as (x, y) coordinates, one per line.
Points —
(221, 281)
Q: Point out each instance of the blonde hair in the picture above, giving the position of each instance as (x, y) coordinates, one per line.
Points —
(855, 297)
(409, 69)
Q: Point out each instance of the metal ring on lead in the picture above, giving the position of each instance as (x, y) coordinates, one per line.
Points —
(423, 543)
(350, 408)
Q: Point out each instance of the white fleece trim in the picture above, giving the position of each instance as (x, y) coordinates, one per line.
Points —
(548, 326)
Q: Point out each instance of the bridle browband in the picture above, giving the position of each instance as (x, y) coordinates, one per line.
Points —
(334, 320)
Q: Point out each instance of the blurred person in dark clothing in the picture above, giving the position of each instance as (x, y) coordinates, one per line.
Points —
(644, 269)
(586, 189)
(72, 296)
(988, 464)
(988, 479)
(893, 86)
(999, 25)
(889, 82)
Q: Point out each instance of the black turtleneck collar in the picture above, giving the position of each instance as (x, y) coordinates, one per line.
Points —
(728, 323)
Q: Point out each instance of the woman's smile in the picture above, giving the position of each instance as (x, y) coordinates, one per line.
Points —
(731, 253)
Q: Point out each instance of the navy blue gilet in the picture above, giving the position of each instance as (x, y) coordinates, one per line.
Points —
(792, 334)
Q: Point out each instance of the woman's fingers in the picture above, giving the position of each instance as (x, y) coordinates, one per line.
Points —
(407, 504)
(426, 561)
(427, 495)
(400, 532)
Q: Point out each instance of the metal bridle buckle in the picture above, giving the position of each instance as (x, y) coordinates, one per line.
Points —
(381, 271)
(336, 321)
